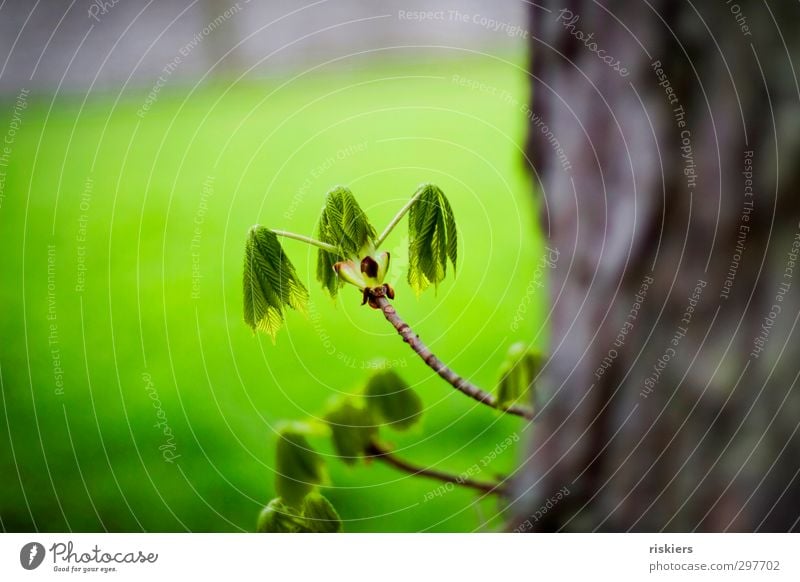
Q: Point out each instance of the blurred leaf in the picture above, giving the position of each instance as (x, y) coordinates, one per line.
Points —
(432, 238)
(344, 225)
(352, 429)
(270, 282)
(320, 515)
(277, 517)
(299, 468)
(517, 374)
(391, 399)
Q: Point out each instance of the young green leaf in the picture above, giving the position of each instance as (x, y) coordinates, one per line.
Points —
(270, 282)
(344, 225)
(320, 516)
(517, 374)
(392, 400)
(433, 238)
(277, 517)
(352, 430)
(299, 468)
(325, 270)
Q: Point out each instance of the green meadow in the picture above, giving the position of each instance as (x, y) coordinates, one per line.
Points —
(136, 397)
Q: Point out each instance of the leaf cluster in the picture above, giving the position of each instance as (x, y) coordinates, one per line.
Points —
(353, 424)
(270, 281)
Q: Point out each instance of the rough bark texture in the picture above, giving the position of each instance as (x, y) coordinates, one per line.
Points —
(672, 432)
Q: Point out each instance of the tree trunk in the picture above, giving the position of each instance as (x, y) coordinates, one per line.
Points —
(665, 140)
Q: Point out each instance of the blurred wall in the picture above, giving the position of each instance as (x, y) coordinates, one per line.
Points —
(95, 44)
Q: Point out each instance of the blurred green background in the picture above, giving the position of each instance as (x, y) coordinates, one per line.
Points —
(156, 207)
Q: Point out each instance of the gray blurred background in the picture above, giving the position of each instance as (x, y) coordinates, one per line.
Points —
(94, 45)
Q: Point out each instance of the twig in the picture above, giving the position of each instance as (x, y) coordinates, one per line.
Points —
(308, 240)
(397, 218)
(380, 301)
(378, 451)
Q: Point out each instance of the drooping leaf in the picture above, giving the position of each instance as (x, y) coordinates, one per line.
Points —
(320, 516)
(325, 261)
(517, 374)
(392, 400)
(343, 222)
(352, 429)
(270, 282)
(433, 238)
(277, 517)
(299, 468)
(344, 225)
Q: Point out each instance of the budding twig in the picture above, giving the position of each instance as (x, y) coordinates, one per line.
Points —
(380, 301)
(378, 451)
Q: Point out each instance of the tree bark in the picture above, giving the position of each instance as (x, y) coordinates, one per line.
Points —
(668, 170)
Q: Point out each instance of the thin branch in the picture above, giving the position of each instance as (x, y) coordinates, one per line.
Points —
(381, 302)
(397, 218)
(378, 451)
(307, 240)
